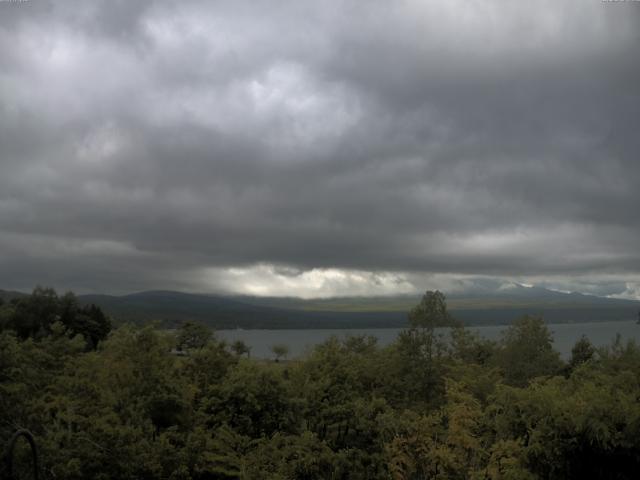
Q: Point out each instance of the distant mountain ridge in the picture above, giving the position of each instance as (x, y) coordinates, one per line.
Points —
(233, 311)
(224, 312)
(7, 295)
(517, 296)
(171, 308)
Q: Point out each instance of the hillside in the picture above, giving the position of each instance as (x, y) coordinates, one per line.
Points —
(172, 308)
(518, 297)
(169, 308)
(7, 295)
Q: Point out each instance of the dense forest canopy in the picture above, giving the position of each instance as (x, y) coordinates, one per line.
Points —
(143, 403)
(43, 312)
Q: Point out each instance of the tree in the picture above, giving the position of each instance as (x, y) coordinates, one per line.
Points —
(254, 400)
(206, 367)
(33, 316)
(193, 336)
(470, 347)
(527, 351)
(6, 314)
(292, 456)
(431, 312)
(416, 360)
(280, 351)
(87, 320)
(581, 352)
(92, 324)
(240, 348)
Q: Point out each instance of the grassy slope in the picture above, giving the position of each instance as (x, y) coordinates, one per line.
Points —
(172, 308)
(516, 299)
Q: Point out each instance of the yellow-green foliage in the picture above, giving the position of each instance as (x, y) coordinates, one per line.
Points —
(421, 408)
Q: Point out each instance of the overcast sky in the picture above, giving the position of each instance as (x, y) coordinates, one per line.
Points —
(320, 148)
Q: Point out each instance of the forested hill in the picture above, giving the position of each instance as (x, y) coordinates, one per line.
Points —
(173, 308)
(484, 308)
(6, 295)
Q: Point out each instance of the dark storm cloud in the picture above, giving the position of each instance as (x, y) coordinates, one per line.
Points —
(207, 145)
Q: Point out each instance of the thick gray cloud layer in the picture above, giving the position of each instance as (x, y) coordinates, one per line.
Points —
(329, 147)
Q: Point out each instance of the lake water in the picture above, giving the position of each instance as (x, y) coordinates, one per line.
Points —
(300, 342)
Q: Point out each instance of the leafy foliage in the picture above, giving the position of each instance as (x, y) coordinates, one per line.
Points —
(127, 407)
(34, 316)
(280, 351)
(192, 336)
(527, 352)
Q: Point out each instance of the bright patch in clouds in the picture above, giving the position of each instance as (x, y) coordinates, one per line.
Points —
(267, 280)
(271, 280)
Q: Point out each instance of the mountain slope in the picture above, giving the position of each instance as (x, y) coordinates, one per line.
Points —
(172, 308)
(7, 295)
(516, 297)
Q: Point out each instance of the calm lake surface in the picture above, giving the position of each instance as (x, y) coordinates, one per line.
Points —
(300, 342)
